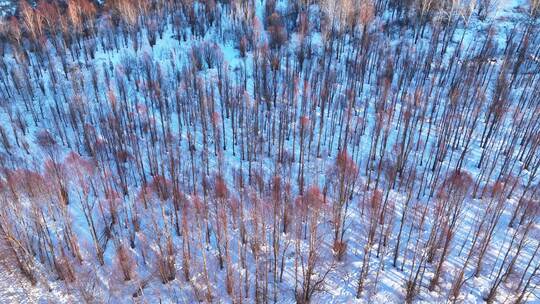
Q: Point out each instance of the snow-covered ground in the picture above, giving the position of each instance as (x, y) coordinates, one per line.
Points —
(171, 52)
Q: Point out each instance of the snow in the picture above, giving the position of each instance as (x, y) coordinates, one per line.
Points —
(341, 287)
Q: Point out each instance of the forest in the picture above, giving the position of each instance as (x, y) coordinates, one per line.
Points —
(270, 151)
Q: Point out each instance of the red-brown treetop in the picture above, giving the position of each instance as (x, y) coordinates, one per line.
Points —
(221, 190)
